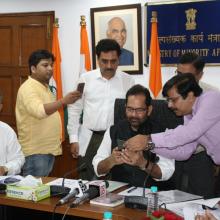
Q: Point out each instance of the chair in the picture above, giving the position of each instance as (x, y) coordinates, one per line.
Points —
(162, 118)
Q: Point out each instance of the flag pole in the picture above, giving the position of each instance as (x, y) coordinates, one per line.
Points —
(56, 23)
(82, 20)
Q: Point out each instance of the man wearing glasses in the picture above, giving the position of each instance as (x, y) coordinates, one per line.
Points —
(102, 87)
(198, 169)
(130, 166)
(201, 122)
(194, 175)
(193, 63)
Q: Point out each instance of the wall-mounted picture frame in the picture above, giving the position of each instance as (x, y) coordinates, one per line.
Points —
(122, 23)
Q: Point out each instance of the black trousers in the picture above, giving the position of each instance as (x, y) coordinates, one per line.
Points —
(3, 215)
(196, 175)
(88, 173)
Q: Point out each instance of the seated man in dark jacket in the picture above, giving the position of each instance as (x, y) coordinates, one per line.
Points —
(128, 166)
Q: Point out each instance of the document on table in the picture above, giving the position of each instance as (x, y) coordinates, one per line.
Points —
(113, 185)
(178, 207)
(136, 192)
(190, 208)
(174, 196)
(171, 196)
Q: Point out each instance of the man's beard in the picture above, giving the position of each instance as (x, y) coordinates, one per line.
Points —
(136, 122)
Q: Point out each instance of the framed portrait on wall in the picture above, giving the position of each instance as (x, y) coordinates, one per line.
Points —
(123, 24)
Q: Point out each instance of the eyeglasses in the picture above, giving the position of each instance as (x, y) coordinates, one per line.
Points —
(172, 99)
(178, 72)
(136, 110)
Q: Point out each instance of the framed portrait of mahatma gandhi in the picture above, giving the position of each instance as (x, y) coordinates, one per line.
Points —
(123, 24)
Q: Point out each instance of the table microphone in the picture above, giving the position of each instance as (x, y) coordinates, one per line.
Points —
(62, 190)
(96, 188)
(80, 168)
(90, 193)
(68, 197)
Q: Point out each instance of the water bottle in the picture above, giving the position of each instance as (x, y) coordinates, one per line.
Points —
(152, 200)
(107, 216)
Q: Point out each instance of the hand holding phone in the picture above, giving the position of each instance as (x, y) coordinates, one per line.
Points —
(80, 87)
(120, 144)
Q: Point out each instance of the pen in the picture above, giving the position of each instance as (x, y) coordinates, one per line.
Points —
(207, 207)
(132, 189)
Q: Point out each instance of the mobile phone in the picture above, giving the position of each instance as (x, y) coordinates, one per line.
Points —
(80, 87)
(120, 144)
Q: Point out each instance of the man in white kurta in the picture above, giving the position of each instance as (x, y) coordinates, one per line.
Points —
(102, 87)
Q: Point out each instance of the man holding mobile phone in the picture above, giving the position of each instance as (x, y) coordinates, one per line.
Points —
(129, 166)
(102, 87)
(80, 87)
(37, 117)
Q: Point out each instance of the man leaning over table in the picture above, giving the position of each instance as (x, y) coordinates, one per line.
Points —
(201, 122)
(195, 175)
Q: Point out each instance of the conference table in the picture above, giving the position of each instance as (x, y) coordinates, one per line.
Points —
(85, 211)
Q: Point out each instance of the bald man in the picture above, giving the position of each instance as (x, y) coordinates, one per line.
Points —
(117, 31)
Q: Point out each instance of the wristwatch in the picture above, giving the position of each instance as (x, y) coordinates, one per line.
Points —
(150, 145)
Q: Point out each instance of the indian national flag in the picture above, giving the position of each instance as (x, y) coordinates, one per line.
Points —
(155, 82)
(85, 63)
(56, 80)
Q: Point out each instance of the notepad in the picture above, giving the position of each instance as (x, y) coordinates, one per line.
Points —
(110, 199)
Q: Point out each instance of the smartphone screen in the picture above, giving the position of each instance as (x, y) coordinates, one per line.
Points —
(80, 87)
(120, 144)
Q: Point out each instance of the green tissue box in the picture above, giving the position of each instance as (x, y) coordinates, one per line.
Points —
(28, 193)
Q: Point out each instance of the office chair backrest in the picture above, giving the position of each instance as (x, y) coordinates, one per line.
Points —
(161, 115)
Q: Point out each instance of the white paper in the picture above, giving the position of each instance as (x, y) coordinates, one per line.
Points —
(174, 196)
(84, 138)
(209, 202)
(192, 209)
(113, 185)
(29, 180)
(170, 196)
(137, 192)
(178, 208)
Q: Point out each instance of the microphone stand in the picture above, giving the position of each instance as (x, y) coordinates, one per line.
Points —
(153, 160)
(141, 202)
(62, 190)
(80, 168)
(146, 179)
